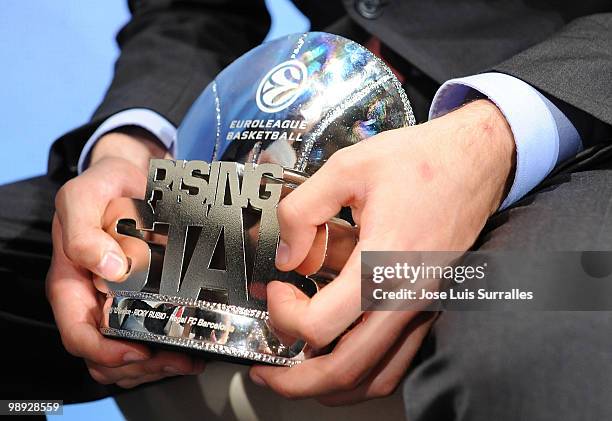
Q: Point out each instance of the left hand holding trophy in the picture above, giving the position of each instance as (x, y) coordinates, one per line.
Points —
(202, 244)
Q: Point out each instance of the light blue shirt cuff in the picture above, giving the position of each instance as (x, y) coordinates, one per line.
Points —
(141, 117)
(543, 135)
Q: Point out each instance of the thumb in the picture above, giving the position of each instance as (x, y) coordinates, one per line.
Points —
(81, 204)
(313, 203)
(96, 251)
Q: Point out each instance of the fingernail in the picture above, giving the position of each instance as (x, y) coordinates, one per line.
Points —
(282, 253)
(172, 370)
(257, 380)
(132, 357)
(111, 266)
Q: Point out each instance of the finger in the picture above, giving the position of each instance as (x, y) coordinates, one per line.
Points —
(313, 203)
(131, 383)
(77, 312)
(345, 367)
(320, 319)
(383, 380)
(80, 205)
(162, 363)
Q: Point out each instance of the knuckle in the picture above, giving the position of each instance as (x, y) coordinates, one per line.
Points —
(70, 345)
(382, 388)
(70, 348)
(311, 331)
(289, 218)
(288, 210)
(77, 343)
(99, 376)
(103, 357)
(315, 328)
(76, 245)
(68, 190)
(60, 197)
(287, 393)
(106, 360)
(342, 160)
(128, 383)
(346, 380)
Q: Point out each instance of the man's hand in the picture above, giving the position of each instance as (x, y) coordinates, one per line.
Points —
(118, 168)
(428, 187)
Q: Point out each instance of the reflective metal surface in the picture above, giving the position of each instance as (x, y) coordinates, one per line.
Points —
(201, 253)
(203, 243)
(294, 101)
(237, 333)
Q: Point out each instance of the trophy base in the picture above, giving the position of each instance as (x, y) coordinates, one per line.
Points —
(223, 331)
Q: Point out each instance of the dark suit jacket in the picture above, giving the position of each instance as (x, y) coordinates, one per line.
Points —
(172, 49)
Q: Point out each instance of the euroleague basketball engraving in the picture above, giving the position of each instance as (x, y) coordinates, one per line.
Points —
(281, 86)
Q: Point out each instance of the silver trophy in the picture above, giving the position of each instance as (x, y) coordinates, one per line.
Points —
(202, 244)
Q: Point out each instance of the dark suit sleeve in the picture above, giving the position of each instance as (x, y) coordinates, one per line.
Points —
(574, 68)
(170, 51)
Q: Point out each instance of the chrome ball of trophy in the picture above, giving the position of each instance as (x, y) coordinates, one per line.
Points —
(202, 244)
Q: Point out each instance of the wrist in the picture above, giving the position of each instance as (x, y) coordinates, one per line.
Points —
(484, 146)
(137, 147)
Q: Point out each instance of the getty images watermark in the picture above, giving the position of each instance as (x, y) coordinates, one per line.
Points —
(509, 280)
